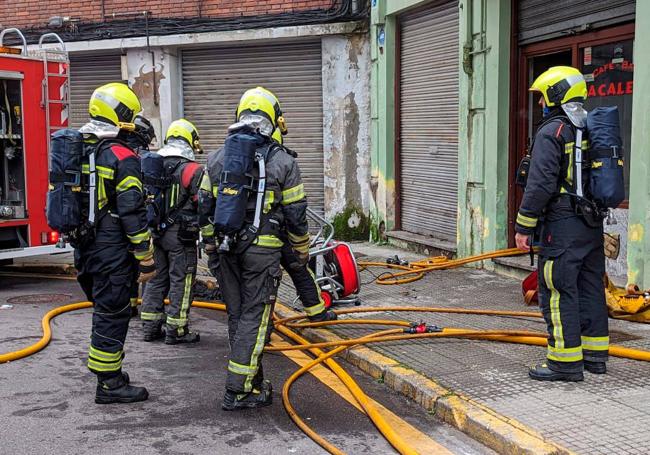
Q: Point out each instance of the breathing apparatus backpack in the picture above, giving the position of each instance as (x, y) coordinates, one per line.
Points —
(605, 185)
(243, 150)
(606, 177)
(159, 182)
(155, 182)
(71, 207)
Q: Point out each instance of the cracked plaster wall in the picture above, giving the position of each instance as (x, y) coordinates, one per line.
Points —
(346, 122)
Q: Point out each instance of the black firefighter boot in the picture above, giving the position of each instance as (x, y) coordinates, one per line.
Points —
(179, 335)
(595, 367)
(542, 372)
(257, 398)
(325, 315)
(152, 330)
(117, 390)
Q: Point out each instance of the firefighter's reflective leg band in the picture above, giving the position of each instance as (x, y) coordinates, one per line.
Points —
(182, 270)
(103, 361)
(111, 315)
(560, 307)
(320, 306)
(250, 370)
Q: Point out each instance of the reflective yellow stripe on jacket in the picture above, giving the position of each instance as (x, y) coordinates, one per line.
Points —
(526, 221)
(293, 194)
(129, 182)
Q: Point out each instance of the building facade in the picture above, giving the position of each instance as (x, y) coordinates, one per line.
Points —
(452, 116)
(194, 59)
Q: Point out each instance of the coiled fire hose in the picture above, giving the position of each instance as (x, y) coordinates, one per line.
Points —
(414, 331)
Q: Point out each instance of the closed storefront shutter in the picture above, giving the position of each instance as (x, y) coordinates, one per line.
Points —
(87, 72)
(429, 120)
(215, 78)
(539, 20)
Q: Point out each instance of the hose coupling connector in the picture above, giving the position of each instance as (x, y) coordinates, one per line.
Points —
(395, 260)
(421, 327)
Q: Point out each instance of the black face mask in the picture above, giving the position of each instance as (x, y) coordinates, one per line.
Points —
(134, 140)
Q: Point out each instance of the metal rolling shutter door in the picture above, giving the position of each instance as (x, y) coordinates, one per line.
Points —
(545, 19)
(87, 72)
(429, 121)
(215, 78)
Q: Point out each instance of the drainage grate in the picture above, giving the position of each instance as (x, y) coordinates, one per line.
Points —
(40, 298)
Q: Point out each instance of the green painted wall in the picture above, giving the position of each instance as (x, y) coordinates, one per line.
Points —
(382, 102)
(483, 125)
(638, 247)
(483, 136)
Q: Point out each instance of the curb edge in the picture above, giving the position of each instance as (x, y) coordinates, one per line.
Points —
(503, 434)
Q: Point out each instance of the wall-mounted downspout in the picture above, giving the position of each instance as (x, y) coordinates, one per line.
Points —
(146, 14)
(156, 100)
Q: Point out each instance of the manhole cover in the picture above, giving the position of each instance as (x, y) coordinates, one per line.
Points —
(40, 298)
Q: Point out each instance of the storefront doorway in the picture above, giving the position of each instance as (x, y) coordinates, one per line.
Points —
(605, 57)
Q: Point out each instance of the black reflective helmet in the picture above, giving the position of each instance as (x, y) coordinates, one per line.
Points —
(144, 131)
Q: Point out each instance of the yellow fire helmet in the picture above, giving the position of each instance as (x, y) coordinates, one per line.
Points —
(561, 84)
(114, 103)
(260, 101)
(185, 130)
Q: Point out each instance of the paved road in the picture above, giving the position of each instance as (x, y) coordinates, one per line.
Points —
(46, 401)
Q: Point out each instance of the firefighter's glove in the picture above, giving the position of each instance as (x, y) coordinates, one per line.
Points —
(612, 244)
(147, 270)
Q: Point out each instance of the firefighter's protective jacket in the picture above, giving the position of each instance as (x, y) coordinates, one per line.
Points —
(551, 174)
(285, 202)
(119, 191)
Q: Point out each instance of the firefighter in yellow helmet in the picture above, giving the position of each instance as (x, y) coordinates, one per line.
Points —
(111, 255)
(245, 242)
(571, 258)
(175, 238)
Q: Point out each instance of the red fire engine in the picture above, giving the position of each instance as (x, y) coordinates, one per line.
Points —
(34, 102)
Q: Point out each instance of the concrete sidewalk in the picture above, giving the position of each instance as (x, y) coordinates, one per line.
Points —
(603, 415)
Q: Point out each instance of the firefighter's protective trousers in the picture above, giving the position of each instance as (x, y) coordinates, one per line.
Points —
(249, 282)
(106, 274)
(572, 295)
(303, 280)
(176, 265)
(108, 265)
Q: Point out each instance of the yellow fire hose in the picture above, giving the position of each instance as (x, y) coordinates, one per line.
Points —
(282, 325)
(386, 430)
(417, 269)
(47, 333)
(356, 391)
